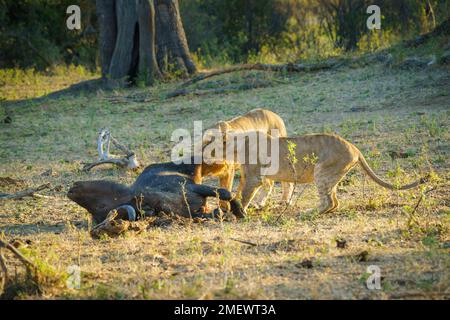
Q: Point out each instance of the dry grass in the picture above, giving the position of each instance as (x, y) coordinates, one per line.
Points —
(381, 110)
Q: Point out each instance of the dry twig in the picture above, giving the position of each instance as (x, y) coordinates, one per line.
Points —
(104, 138)
(24, 193)
(288, 67)
(245, 242)
(197, 92)
(29, 265)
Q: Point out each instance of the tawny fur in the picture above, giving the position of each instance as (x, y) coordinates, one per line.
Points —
(323, 159)
(255, 120)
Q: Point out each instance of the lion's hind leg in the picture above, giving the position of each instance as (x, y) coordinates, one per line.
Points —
(326, 180)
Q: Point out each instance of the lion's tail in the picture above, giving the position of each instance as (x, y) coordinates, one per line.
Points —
(363, 163)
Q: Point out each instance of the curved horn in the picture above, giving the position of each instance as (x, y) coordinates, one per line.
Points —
(130, 211)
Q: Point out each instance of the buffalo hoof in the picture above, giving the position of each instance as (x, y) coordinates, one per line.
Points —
(237, 209)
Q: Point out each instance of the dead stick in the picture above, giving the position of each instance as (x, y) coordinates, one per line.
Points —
(246, 86)
(18, 255)
(4, 269)
(122, 147)
(105, 137)
(118, 162)
(25, 193)
(420, 200)
(289, 67)
(419, 294)
(110, 217)
(245, 242)
(204, 76)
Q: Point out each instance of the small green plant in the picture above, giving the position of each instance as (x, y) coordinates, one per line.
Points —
(434, 127)
(310, 215)
(430, 241)
(38, 278)
(292, 146)
(230, 286)
(311, 159)
(363, 278)
(107, 292)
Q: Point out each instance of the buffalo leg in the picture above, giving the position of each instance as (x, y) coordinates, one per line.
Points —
(222, 194)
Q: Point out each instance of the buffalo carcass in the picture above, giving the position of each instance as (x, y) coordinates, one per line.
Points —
(163, 187)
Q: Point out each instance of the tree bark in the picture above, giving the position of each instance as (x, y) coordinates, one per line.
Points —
(148, 67)
(170, 38)
(108, 32)
(139, 38)
(120, 66)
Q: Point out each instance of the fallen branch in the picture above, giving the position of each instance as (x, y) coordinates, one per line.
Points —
(4, 269)
(442, 29)
(17, 254)
(123, 163)
(289, 67)
(24, 193)
(245, 242)
(197, 92)
(128, 161)
(426, 294)
(110, 217)
(114, 226)
(422, 196)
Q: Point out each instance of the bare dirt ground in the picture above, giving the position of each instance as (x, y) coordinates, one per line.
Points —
(398, 118)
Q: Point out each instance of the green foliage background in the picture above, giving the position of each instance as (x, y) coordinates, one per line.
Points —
(33, 32)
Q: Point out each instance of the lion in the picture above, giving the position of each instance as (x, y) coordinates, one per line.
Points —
(323, 159)
(255, 120)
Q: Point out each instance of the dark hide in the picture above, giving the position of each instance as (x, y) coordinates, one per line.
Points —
(163, 187)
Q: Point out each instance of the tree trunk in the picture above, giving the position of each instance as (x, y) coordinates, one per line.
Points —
(170, 38)
(138, 39)
(108, 32)
(148, 67)
(121, 62)
(345, 20)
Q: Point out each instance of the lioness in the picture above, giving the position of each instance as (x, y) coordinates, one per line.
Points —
(323, 159)
(254, 120)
